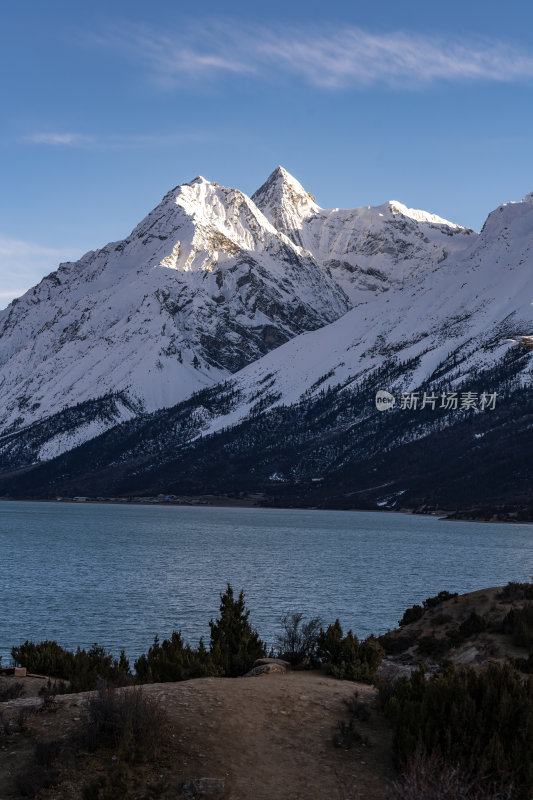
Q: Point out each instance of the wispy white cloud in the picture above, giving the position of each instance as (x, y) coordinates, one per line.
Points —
(193, 53)
(109, 141)
(60, 139)
(331, 58)
(23, 264)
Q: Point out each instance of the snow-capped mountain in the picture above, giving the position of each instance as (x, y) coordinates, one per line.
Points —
(460, 323)
(201, 287)
(367, 250)
(353, 301)
(451, 321)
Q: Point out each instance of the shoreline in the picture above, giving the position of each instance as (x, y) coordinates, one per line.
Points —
(254, 500)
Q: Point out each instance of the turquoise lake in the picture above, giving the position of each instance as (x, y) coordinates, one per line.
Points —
(119, 574)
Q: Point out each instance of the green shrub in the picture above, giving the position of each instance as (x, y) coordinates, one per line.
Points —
(516, 591)
(81, 669)
(333, 647)
(393, 644)
(45, 658)
(97, 664)
(472, 625)
(432, 646)
(473, 720)
(441, 597)
(519, 623)
(173, 660)
(235, 645)
(10, 691)
(441, 619)
(410, 615)
(345, 657)
(416, 612)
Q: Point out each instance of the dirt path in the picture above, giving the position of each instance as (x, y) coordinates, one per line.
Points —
(265, 737)
(272, 735)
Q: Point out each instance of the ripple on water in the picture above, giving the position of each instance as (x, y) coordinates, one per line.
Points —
(118, 575)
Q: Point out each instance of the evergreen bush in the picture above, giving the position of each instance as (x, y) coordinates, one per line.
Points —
(519, 623)
(416, 612)
(396, 644)
(410, 615)
(235, 645)
(345, 657)
(173, 660)
(479, 721)
(517, 591)
(433, 646)
(441, 597)
(81, 669)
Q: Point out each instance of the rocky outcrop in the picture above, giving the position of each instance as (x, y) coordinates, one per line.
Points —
(269, 666)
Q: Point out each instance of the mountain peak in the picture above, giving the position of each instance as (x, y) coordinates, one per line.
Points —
(281, 184)
(206, 287)
(285, 203)
(395, 207)
(281, 175)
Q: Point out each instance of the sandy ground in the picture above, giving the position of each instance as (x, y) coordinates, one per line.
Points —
(267, 736)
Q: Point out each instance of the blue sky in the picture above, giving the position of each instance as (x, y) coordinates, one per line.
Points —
(106, 106)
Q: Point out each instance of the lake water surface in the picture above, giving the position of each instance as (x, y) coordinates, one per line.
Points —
(119, 574)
